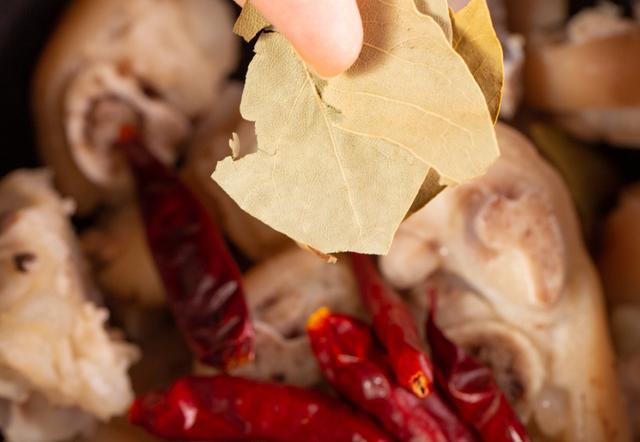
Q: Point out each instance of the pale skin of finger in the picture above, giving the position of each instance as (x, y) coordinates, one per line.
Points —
(326, 33)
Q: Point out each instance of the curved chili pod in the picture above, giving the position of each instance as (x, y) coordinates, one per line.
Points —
(395, 327)
(472, 389)
(202, 280)
(347, 356)
(226, 408)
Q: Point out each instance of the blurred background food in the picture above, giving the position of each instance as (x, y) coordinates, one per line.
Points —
(572, 85)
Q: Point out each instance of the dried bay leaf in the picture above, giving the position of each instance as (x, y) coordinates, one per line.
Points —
(410, 88)
(430, 188)
(313, 191)
(475, 39)
(340, 161)
(250, 22)
(439, 11)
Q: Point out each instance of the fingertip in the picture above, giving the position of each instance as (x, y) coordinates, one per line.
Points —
(340, 45)
(328, 35)
(337, 59)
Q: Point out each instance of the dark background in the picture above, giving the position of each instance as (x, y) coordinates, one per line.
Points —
(24, 27)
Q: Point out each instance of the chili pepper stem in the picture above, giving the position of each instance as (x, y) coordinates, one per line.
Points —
(317, 318)
(420, 385)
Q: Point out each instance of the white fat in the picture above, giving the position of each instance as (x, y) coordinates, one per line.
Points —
(99, 102)
(55, 343)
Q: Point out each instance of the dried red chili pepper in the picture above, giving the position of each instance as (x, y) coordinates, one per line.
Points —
(395, 327)
(202, 281)
(348, 357)
(227, 408)
(452, 426)
(472, 389)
